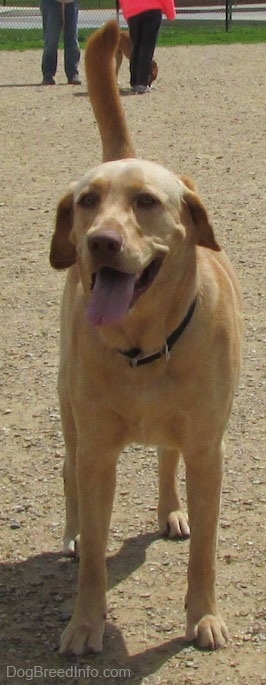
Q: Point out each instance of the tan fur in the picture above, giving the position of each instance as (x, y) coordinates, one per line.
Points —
(124, 48)
(102, 89)
(122, 215)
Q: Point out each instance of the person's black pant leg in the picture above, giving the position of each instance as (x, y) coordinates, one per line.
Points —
(151, 22)
(135, 28)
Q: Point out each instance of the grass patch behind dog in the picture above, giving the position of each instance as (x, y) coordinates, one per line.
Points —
(206, 32)
(178, 33)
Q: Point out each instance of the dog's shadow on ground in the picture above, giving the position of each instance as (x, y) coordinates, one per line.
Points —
(131, 555)
(124, 92)
(37, 85)
(34, 597)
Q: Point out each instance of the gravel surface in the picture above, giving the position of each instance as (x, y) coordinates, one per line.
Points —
(205, 118)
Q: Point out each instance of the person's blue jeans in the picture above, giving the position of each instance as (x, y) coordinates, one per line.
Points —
(56, 18)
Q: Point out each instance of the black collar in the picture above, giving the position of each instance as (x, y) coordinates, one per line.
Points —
(138, 358)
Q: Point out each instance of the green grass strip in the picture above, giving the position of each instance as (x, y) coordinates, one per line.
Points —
(182, 33)
(83, 4)
(207, 32)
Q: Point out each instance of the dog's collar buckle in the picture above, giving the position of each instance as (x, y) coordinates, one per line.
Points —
(140, 359)
(166, 352)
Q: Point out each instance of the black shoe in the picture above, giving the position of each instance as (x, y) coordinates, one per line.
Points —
(48, 81)
(75, 80)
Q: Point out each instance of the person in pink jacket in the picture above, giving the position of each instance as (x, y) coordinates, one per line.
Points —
(144, 19)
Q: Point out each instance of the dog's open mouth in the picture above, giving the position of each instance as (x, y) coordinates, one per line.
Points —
(115, 292)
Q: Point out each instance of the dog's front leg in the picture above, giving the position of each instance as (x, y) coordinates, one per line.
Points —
(204, 478)
(95, 475)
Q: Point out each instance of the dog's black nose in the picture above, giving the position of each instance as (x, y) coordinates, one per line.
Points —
(107, 242)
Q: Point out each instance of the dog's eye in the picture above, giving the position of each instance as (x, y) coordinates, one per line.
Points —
(90, 200)
(146, 201)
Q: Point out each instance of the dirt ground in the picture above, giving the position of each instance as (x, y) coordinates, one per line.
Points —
(206, 118)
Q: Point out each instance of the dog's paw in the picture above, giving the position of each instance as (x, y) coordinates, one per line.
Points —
(71, 547)
(175, 526)
(82, 636)
(209, 633)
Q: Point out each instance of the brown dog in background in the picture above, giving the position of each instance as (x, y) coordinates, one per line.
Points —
(125, 49)
(150, 353)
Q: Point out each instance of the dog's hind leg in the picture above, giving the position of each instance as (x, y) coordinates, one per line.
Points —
(118, 61)
(172, 519)
(69, 474)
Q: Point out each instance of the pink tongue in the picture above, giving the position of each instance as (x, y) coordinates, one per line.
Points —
(111, 297)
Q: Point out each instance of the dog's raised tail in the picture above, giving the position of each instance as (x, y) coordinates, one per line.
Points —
(104, 94)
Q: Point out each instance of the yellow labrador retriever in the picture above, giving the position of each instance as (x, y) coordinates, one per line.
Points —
(150, 352)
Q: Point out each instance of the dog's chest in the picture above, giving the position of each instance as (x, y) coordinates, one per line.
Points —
(149, 408)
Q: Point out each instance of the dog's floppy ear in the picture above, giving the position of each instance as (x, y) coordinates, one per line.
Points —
(204, 231)
(63, 251)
